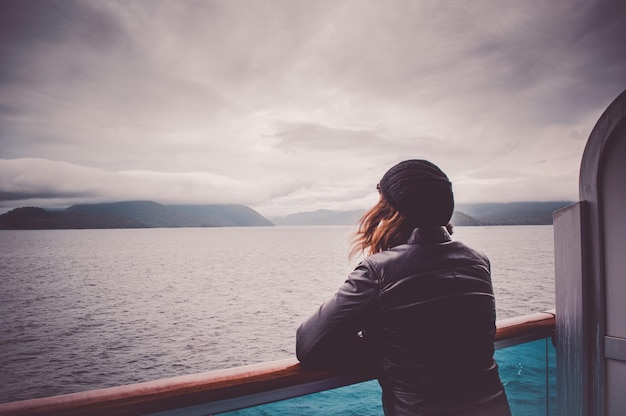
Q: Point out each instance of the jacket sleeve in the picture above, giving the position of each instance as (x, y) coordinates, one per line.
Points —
(330, 337)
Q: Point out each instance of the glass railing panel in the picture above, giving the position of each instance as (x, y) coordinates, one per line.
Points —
(527, 370)
(355, 399)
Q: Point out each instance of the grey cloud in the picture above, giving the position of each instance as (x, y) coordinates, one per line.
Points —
(26, 195)
(522, 55)
(309, 136)
(552, 188)
(306, 101)
(68, 30)
(571, 52)
(8, 110)
(320, 138)
(500, 174)
(26, 180)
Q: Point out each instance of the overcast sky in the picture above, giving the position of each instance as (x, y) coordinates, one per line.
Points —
(290, 106)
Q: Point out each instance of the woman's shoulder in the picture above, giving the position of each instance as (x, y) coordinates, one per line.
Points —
(468, 251)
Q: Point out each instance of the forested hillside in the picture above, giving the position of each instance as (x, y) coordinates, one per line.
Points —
(132, 214)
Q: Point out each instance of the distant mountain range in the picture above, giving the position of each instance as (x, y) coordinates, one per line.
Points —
(148, 214)
(511, 213)
(132, 214)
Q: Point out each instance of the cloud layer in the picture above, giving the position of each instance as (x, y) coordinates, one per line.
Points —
(293, 106)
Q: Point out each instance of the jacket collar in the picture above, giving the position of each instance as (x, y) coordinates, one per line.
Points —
(429, 235)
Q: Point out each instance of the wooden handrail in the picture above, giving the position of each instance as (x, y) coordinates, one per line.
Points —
(525, 328)
(219, 385)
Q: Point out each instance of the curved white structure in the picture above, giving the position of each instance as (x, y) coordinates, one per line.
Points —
(590, 260)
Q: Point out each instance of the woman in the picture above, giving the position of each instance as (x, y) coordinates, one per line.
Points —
(419, 308)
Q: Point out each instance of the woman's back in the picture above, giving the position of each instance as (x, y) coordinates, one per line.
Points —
(436, 322)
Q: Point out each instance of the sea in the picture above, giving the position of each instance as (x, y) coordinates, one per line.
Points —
(86, 309)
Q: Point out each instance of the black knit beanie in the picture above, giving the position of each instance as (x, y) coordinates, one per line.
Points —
(420, 191)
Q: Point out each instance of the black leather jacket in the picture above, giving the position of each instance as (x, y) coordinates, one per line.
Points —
(424, 314)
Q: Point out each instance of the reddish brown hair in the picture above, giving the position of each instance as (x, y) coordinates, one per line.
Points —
(380, 228)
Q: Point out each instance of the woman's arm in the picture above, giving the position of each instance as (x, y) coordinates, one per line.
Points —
(330, 337)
